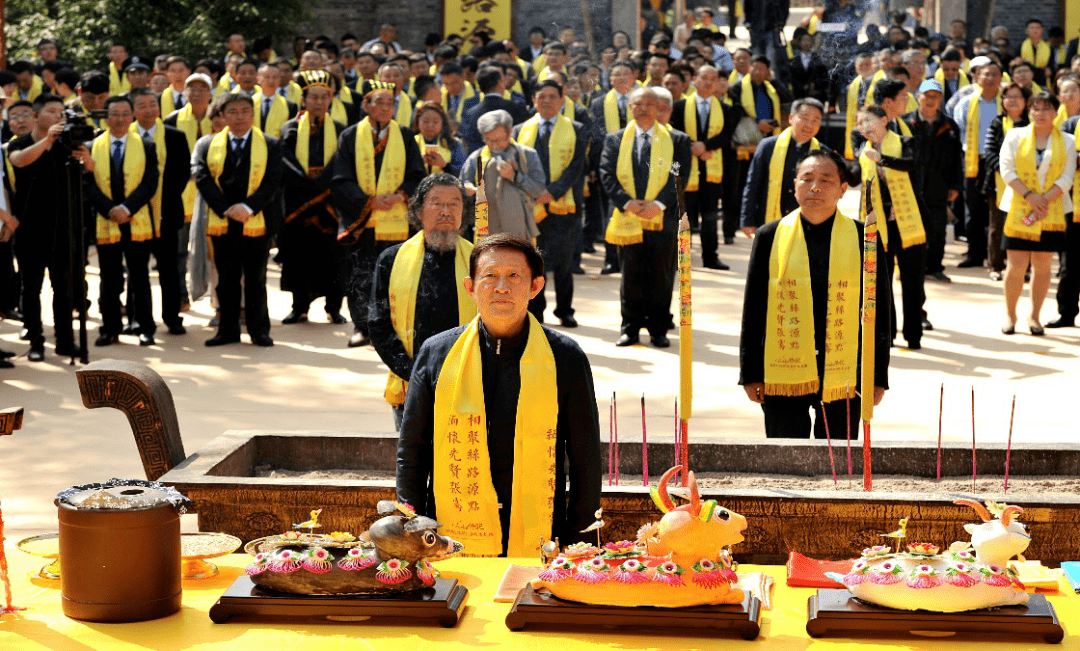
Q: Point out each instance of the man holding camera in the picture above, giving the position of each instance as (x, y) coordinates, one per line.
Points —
(41, 206)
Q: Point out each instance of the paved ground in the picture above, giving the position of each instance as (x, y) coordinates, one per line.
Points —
(310, 380)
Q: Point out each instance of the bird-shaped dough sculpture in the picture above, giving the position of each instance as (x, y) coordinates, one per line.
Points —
(311, 524)
(898, 535)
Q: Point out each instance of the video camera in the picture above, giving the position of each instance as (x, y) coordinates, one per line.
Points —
(76, 131)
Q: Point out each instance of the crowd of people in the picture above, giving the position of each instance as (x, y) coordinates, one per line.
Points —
(203, 168)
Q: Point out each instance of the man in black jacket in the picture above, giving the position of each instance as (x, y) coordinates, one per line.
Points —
(556, 238)
(608, 114)
(819, 185)
(236, 198)
(490, 81)
(125, 225)
(174, 170)
(505, 272)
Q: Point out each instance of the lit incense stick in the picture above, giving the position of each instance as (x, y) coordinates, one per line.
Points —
(974, 465)
(847, 398)
(644, 446)
(1008, 447)
(941, 408)
(828, 437)
(610, 440)
(615, 407)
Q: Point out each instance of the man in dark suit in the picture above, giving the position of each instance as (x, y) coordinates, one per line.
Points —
(706, 195)
(174, 170)
(236, 199)
(490, 80)
(608, 114)
(124, 221)
(563, 149)
(641, 306)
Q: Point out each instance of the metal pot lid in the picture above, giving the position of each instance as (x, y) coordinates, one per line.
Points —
(123, 495)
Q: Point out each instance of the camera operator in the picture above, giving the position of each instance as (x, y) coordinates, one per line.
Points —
(41, 206)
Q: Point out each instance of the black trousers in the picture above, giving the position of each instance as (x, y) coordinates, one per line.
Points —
(706, 216)
(556, 241)
(312, 265)
(164, 249)
(934, 221)
(645, 290)
(788, 417)
(978, 216)
(359, 266)
(9, 280)
(33, 261)
(912, 264)
(1068, 292)
(237, 256)
(113, 258)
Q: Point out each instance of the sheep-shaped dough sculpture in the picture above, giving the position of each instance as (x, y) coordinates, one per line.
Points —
(968, 576)
(679, 561)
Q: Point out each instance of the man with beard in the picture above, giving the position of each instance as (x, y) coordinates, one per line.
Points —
(417, 289)
(312, 262)
(379, 167)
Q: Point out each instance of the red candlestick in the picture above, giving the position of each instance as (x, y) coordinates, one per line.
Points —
(686, 453)
(677, 445)
(610, 441)
(615, 407)
(974, 465)
(644, 446)
(1008, 447)
(941, 408)
(847, 394)
(867, 472)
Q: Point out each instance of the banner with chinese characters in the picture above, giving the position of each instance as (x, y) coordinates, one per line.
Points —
(467, 17)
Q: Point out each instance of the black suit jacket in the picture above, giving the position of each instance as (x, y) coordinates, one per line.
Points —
(175, 178)
(572, 176)
(720, 144)
(809, 81)
(139, 197)
(609, 159)
(231, 187)
(349, 199)
(292, 114)
(491, 102)
(599, 129)
(682, 143)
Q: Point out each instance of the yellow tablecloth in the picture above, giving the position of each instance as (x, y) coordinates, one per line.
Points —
(44, 627)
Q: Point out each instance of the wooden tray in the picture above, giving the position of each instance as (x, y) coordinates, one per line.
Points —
(532, 607)
(443, 603)
(835, 611)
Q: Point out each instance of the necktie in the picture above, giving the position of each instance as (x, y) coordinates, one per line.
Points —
(237, 145)
(545, 129)
(118, 154)
(265, 108)
(703, 120)
(179, 101)
(117, 178)
(641, 167)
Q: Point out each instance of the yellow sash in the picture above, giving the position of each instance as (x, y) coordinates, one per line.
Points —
(971, 155)
(118, 83)
(1006, 124)
(465, 496)
(878, 76)
(108, 231)
(906, 209)
(9, 168)
(338, 112)
(167, 103)
(1028, 173)
(390, 225)
(626, 228)
(404, 110)
(467, 92)
(1038, 55)
(790, 344)
(568, 108)
(404, 281)
(443, 151)
(539, 63)
(279, 113)
(961, 80)
(159, 145)
(224, 84)
(1062, 113)
(303, 140)
(611, 111)
(749, 104)
(193, 129)
(714, 167)
(849, 115)
(294, 94)
(776, 173)
(546, 72)
(215, 160)
(561, 146)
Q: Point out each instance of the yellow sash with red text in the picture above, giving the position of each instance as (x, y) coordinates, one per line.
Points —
(390, 225)
(561, 146)
(626, 228)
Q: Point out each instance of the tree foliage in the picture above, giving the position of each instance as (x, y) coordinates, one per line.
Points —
(194, 28)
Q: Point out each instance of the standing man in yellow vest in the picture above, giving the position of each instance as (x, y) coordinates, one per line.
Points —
(1036, 50)
(177, 69)
(710, 124)
(238, 173)
(799, 348)
(417, 290)
(272, 110)
(124, 182)
(950, 75)
(174, 172)
(635, 169)
(194, 120)
(118, 82)
(561, 143)
(379, 168)
(556, 56)
(973, 115)
(500, 438)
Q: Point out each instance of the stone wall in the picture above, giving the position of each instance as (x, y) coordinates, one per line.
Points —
(1013, 14)
(553, 17)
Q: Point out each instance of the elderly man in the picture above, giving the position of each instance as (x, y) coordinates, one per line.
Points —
(789, 363)
(507, 452)
(710, 125)
(560, 143)
(769, 193)
(424, 275)
(635, 172)
(238, 173)
(379, 167)
(512, 174)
